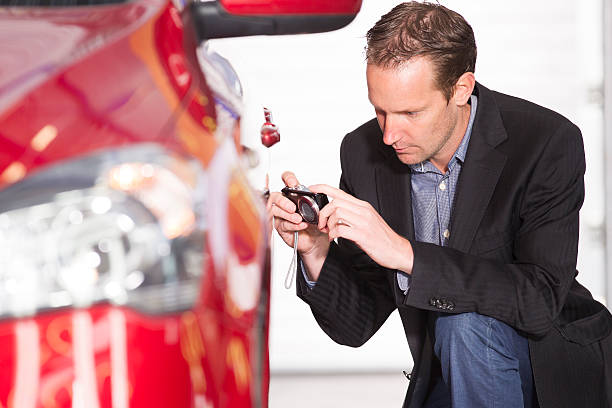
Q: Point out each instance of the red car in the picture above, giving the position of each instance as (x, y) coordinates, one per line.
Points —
(134, 266)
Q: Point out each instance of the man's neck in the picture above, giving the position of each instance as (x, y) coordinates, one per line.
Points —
(455, 140)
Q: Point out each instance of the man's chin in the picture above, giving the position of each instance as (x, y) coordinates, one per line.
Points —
(409, 159)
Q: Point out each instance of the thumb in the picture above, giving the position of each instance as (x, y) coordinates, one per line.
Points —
(289, 179)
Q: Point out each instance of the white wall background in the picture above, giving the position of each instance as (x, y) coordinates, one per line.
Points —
(547, 51)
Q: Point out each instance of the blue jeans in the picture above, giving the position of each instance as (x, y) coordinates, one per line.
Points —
(485, 363)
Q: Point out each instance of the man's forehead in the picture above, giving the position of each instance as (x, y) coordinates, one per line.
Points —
(412, 79)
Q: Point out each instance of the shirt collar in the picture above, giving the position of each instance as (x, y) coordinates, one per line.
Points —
(461, 151)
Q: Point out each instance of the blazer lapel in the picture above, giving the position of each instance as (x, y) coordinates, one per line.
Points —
(393, 189)
(480, 173)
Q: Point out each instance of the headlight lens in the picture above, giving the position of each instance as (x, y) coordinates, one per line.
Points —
(124, 226)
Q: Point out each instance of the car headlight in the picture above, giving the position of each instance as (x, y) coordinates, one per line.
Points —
(124, 226)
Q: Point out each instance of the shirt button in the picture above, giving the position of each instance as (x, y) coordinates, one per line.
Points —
(446, 233)
(442, 186)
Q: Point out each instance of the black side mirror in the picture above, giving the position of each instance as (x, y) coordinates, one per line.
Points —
(211, 20)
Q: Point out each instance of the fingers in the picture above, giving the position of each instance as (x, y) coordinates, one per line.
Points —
(283, 210)
(292, 217)
(333, 192)
(287, 226)
(343, 216)
(289, 179)
(286, 209)
(341, 220)
(341, 199)
(339, 204)
(278, 200)
(343, 227)
(342, 231)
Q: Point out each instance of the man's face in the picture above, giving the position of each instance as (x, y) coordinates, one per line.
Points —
(413, 114)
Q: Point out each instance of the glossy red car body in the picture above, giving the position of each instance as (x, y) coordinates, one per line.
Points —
(291, 7)
(78, 81)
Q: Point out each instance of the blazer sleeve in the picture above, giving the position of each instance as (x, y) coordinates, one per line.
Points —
(351, 299)
(528, 293)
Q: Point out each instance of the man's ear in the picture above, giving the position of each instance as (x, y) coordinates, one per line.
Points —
(463, 88)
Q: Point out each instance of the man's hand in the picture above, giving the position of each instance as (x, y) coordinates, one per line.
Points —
(313, 244)
(356, 220)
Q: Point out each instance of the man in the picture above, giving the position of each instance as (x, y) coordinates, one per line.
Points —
(459, 207)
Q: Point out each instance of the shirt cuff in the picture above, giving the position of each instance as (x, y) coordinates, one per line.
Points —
(311, 284)
(403, 281)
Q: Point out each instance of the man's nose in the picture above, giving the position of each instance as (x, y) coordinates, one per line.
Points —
(390, 132)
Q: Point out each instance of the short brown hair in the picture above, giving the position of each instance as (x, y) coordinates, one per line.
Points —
(424, 29)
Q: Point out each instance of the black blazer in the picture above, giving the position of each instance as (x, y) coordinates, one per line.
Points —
(511, 255)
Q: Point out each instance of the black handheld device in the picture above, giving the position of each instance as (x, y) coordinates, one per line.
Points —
(308, 204)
